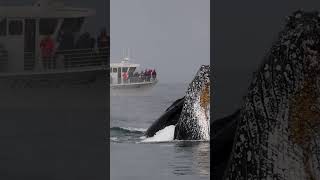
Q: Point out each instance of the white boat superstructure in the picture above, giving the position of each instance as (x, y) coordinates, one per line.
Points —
(23, 28)
(125, 75)
(42, 48)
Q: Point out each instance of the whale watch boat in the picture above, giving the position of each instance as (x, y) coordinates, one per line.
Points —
(23, 64)
(125, 75)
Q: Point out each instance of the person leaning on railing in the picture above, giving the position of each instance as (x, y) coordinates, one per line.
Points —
(103, 39)
(47, 51)
(125, 77)
(103, 45)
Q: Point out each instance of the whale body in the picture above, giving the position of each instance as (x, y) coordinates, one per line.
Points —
(277, 133)
(190, 114)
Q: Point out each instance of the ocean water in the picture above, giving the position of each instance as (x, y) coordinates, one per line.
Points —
(134, 157)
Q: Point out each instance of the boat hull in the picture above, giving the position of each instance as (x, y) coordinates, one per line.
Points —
(132, 89)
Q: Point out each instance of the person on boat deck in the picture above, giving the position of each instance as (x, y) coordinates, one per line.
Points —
(136, 77)
(154, 74)
(149, 73)
(145, 74)
(66, 40)
(142, 75)
(130, 74)
(84, 41)
(47, 51)
(125, 77)
(103, 40)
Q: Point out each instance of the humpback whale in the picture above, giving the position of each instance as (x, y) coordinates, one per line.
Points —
(190, 114)
(277, 129)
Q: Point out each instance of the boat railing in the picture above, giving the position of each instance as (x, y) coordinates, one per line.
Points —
(3, 59)
(29, 60)
(67, 59)
(132, 80)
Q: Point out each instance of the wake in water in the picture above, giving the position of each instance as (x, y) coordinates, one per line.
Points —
(137, 135)
(126, 134)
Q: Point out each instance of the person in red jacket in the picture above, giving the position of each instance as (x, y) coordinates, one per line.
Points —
(125, 77)
(47, 49)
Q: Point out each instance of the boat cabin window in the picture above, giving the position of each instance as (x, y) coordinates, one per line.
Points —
(114, 70)
(47, 26)
(72, 24)
(3, 26)
(124, 69)
(15, 27)
(132, 69)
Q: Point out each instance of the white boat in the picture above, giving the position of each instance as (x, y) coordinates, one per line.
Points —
(22, 29)
(125, 75)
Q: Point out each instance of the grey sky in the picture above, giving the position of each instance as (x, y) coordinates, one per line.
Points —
(243, 33)
(171, 35)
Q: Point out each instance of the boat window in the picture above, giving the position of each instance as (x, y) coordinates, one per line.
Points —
(114, 70)
(124, 69)
(132, 69)
(3, 27)
(15, 27)
(72, 25)
(47, 26)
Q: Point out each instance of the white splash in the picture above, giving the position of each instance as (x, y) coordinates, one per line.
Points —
(164, 135)
(113, 138)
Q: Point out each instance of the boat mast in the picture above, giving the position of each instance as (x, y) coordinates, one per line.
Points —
(126, 55)
(128, 51)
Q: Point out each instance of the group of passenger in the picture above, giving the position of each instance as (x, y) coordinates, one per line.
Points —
(85, 41)
(147, 75)
(66, 44)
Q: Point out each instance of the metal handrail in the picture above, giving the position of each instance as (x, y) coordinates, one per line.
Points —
(79, 50)
(69, 59)
(3, 56)
(132, 80)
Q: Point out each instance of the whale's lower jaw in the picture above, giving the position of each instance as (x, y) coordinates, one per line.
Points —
(194, 121)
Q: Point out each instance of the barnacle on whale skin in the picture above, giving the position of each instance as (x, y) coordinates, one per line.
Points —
(278, 134)
(304, 118)
(194, 121)
(205, 98)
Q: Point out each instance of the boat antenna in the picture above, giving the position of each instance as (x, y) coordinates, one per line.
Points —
(128, 53)
(125, 57)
